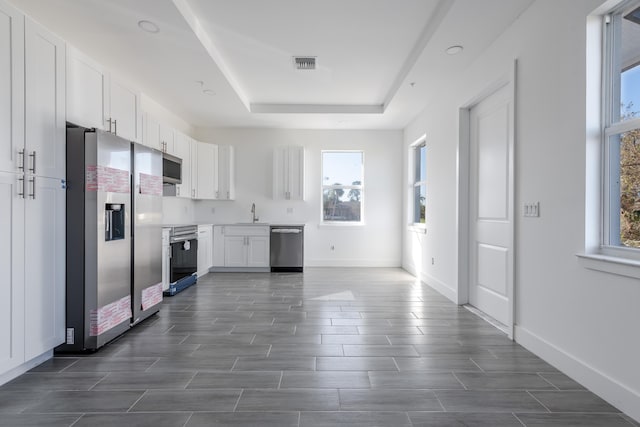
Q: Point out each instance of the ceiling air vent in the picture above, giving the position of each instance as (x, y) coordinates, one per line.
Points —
(304, 62)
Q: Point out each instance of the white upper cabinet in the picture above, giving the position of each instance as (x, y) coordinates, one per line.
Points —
(226, 173)
(205, 173)
(86, 87)
(151, 132)
(123, 117)
(11, 88)
(167, 139)
(288, 173)
(45, 136)
(97, 99)
(182, 148)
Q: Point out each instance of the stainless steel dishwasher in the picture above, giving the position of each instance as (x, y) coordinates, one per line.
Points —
(287, 247)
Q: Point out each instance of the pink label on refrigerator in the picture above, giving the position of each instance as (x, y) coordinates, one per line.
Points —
(103, 178)
(150, 184)
(110, 316)
(151, 296)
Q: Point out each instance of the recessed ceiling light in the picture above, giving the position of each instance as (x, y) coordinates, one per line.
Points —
(454, 50)
(209, 92)
(149, 27)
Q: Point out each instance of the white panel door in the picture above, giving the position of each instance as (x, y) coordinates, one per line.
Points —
(235, 251)
(491, 216)
(206, 184)
(45, 265)
(11, 271)
(258, 251)
(183, 151)
(296, 173)
(226, 173)
(124, 104)
(45, 102)
(11, 88)
(86, 90)
(151, 133)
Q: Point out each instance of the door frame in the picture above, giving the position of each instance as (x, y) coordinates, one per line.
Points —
(509, 80)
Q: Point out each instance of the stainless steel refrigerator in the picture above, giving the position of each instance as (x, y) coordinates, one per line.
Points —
(110, 282)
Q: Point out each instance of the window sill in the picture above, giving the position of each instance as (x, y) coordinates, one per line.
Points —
(611, 264)
(341, 224)
(417, 228)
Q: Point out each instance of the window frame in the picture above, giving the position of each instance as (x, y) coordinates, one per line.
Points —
(360, 187)
(414, 157)
(613, 125)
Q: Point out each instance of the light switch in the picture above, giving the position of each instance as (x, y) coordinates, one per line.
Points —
(531, 209)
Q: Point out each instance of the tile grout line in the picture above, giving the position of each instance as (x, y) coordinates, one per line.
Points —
(99, 381)
(187, 420)
(552, 384)
(238, 401)
(460, 381)
(190, 380)
(79, 418)
(518, 418)
(536, 399)
(280, 382)
(137, 400)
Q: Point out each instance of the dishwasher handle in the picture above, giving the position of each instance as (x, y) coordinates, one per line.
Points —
(286, 230)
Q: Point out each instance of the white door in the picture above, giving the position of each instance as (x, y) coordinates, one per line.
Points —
(491, 205)
(11, 88)
(45, 102)
(151, 134)
(235, 251)
(86, 87)
(206, 184)
(296, 173)
(45, 265)
(183, 151)
(11, 271)
(124, 103)
(258, 251)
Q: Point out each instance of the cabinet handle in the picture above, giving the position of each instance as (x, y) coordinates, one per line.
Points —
(33, 156)
(193, 193)
(21, 154)
(177, 190)
(115, 127)
(22, 184)
(33, 188)
(217, 194)
(109, 121)
(228, 196)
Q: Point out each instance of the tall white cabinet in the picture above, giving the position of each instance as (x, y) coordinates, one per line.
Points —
(288, 173)
(32, 171)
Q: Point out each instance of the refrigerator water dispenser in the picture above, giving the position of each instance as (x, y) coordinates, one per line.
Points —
(114, 221)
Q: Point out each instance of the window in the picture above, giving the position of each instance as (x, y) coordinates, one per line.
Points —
(621, 108)
(342, 186)
(419, 183)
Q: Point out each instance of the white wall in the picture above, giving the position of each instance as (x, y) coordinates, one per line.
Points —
(376, 244)
(582, 321)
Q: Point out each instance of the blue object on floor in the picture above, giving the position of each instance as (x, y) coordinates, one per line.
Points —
(181, 285)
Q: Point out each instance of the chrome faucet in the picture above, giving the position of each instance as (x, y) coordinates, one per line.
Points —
(254, 218)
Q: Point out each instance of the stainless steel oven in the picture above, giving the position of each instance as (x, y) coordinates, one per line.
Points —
(184, 252)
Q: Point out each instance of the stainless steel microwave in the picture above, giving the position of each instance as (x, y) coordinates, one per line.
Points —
(171, 169)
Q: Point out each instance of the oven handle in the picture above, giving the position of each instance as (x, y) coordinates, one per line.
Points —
(182, 239)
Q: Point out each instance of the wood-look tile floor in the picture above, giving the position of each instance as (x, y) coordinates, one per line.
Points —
(280, 350)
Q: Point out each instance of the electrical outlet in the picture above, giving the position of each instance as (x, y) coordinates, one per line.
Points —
(213, 211)
(433, 261)
(531, 209)
(333, 248)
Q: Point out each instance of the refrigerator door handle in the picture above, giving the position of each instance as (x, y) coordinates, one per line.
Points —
(107, 224)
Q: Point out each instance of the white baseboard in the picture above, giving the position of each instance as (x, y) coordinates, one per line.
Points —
(439, 286)
(19, 370)
(609, 389)
(390, 263)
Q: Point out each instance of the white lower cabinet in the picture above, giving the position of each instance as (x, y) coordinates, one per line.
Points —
(12, 265)
(32, 266)
(241, 246)
(205, 249)
(44, 284)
